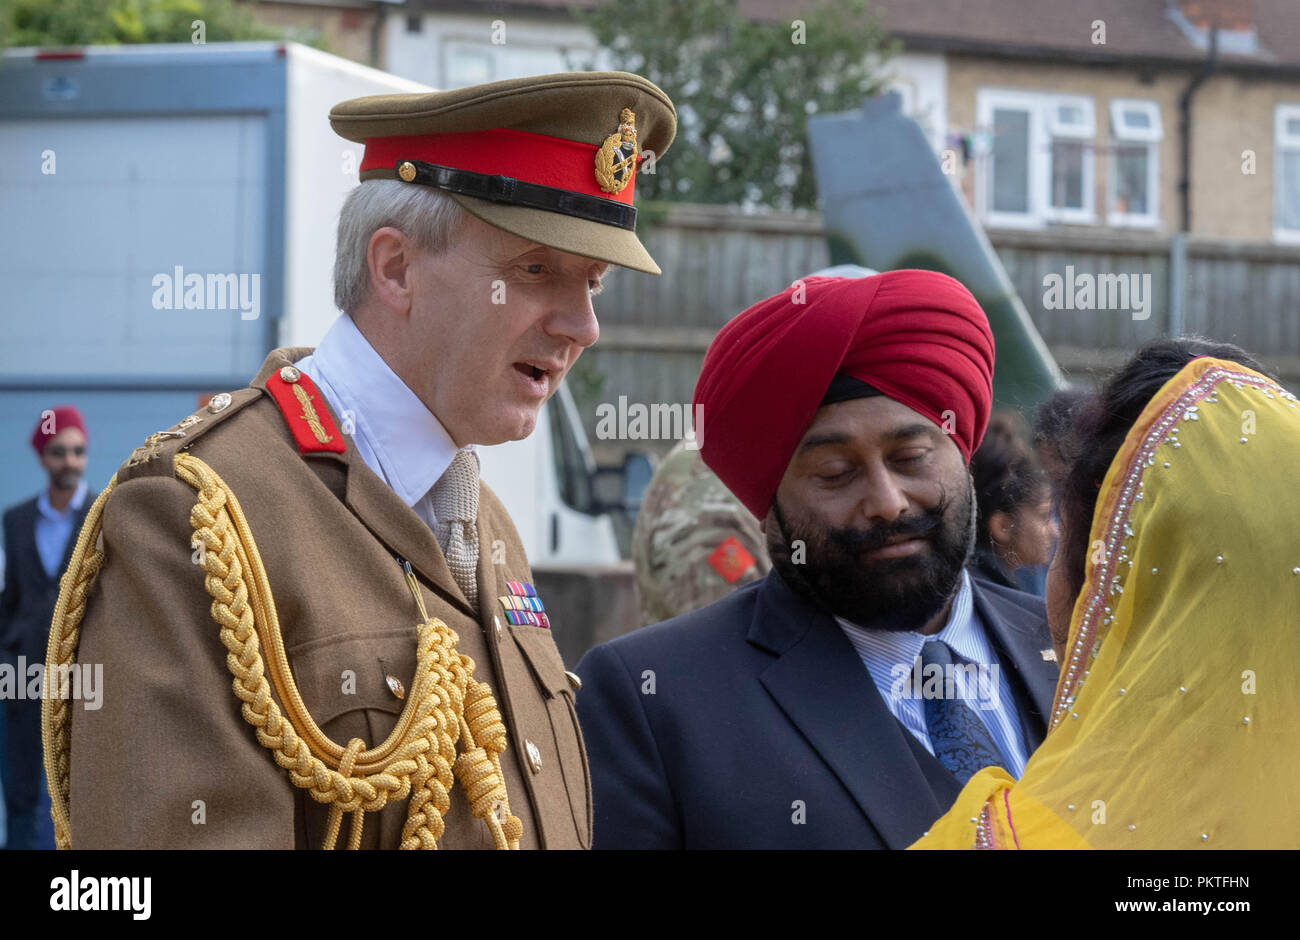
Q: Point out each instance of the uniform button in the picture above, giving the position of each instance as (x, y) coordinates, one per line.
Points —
(497, 621)
(574, 680)
(219, 402)
(395, 686)
(290, 374)
(534, 756)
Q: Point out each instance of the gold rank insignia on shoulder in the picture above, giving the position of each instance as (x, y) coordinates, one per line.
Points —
(616, 158)
(151, 447)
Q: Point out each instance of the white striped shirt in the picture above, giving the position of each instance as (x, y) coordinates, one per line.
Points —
(893, 660)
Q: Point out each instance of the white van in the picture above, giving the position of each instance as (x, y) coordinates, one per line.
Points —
(125, 161)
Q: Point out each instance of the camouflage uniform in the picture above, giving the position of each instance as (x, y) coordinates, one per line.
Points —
(694, 543)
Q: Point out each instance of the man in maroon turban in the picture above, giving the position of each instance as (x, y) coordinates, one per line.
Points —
(842, 701)
(39, 535)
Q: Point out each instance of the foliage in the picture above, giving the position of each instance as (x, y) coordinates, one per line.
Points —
(96, 22)
(743, 90)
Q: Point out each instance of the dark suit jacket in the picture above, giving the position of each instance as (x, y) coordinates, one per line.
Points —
(27, 604)
(723, 727)
(26, 608)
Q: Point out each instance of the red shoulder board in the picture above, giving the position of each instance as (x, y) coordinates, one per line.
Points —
(305, 411)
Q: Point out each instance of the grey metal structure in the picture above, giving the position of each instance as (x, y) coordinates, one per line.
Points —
(887, 205)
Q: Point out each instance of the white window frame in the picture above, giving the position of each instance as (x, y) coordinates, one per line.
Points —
(990, 100)
(453, 46)
(1087, 134)
(1134, 137)
(1282, 141)
(1043, 129)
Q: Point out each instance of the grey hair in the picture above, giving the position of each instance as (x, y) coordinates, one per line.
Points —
(428, 217)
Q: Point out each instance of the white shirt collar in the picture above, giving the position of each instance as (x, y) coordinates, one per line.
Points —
(74, 504)
(411, 446)
(959, 632)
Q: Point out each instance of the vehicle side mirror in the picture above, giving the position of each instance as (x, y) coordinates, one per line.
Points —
(637, 471)
(622, 488)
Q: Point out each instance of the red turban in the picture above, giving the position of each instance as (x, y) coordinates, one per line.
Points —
(65, 416)
(918, 337)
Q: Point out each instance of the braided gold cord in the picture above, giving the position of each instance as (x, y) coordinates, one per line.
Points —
(446, 705)
(61, 651)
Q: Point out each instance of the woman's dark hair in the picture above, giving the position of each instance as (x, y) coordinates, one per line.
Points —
(1006, 474)
(1101, 425)
(1054, 421)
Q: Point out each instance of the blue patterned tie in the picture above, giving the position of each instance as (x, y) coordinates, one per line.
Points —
(960, 740)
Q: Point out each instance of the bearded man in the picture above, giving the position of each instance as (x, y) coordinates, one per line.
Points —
(843, 700)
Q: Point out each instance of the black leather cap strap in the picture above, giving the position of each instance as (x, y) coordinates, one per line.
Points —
(507, 189)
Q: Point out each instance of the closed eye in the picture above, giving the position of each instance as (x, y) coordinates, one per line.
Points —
(840, 477)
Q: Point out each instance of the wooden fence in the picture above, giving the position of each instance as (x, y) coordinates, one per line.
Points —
(717, 261)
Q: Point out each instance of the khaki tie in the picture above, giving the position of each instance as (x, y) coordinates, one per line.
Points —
(455, 505)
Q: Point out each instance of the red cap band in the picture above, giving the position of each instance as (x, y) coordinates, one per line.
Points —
(533, 158)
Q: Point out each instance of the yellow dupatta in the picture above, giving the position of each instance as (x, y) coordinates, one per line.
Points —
(1177, 716)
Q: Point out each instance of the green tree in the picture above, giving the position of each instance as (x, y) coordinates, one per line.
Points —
(96, 22)
(743, 89)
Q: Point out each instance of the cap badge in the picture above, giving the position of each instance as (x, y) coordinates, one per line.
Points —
(616, 158)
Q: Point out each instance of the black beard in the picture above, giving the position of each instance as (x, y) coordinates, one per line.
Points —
(897, 594)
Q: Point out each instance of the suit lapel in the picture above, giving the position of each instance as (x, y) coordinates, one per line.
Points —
(1033, 679)
(825, 690)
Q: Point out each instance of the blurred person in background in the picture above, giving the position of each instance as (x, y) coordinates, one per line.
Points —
(4, 745)
(694, 542)
(1016, 533)
(38, 538)
(1052, 425)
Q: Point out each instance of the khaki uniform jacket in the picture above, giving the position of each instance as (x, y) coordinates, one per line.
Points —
(169, 732)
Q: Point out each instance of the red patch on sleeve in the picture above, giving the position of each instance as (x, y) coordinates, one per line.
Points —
(731, 559)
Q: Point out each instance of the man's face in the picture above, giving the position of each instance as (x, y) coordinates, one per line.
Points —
(496, 323)
(64, 458)
(881, 499)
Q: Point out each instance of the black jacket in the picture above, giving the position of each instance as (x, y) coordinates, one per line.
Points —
(27, 605)
(725, 727)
